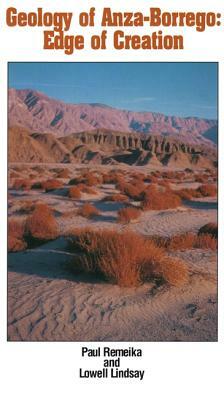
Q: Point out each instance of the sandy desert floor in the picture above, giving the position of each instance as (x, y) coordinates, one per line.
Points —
(46, 301)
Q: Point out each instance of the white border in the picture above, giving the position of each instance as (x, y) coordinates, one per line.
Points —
(49, 370)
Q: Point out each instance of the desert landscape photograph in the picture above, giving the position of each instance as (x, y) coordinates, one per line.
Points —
(112, 201)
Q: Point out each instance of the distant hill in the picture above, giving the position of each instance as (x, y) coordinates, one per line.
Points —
(212, 134)
(106, 147)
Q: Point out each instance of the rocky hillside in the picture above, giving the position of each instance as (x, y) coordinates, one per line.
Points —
(38, 113)
(106, 147)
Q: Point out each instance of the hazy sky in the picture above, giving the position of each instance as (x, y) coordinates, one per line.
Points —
(184, 89)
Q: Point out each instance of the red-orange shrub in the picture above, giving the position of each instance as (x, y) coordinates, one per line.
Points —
(186, 241)
(87, 178)
(74, 193)
(182, 242)
(16, 230)
(88, 210)
(63, 174)
(22, 184)
(41, 224)
(133, 191)
(51, 184)
(113, 178)
(138, 176)
(210, 229)
(125, 258)
(207, 190)
(168, 175)
(187, 193)
(206, 241)
(15, 244)
(202, 177)
(157, 200)
(128, 214)
(171, 270)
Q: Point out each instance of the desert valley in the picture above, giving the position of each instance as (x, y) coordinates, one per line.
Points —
(112, 223)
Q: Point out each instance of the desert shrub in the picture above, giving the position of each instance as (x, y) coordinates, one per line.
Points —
(138, 176)
(63, 174)
(171, 270)
(113, 178)
(88, 210)
(182, 241)
(85, 188)
(88, 178)
(69, 213)
(74, 192)
(117, 197)
(177, 242)
(91, 179)
(16, 230)
(139, 183)
(207, 190)
(168, 175)
(22, 184)
(15, 244)
(210, 229)
(201, 178)
(44, 208)
(81, 186)
(41, 225)
(185, 194)
(156, 174)
(206, 241)
(121, 184)
(128, 214)
(188, 193)
(108, 179)
(157, 200)
(51, 184)
(186, 241)
(179, 175)
(133, 191)
(173, 175)
(125, 258)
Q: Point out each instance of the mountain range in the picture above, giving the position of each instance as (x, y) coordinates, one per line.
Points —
(37, 112)
(45, 130)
